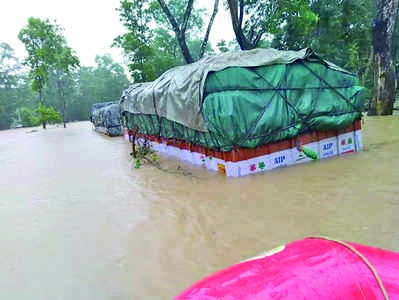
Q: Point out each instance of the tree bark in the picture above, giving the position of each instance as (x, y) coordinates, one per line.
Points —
(208, 30)
(63, 111)
(236, 8)
(62, 97)
(180, 30)
(384, 66)
(41, 101)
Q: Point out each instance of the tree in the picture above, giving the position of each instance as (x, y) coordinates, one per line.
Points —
(150, 45)
(26, 117)
(342, 35)
(14, 87)
(384, 53)
(102, 83)
(47, 114)
(136, 43)
(180, 28)
(9, 67)
(267, 17)
(65, 65)
(47, 49)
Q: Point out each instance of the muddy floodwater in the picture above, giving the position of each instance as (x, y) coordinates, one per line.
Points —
(78, 221)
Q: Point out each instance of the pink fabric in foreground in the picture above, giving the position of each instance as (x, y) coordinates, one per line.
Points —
(307, 269)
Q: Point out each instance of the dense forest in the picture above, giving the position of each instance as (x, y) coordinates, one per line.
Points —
(50, 85)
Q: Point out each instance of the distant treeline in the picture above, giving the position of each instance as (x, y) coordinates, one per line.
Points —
(88, 85)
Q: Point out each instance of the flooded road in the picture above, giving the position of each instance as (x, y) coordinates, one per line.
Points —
(77, 221)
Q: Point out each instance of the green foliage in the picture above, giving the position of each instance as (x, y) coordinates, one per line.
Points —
(104, 82)
(47, 114)
(26, 118)
(255, 20)
(43, 41)
(137, 163)
(136, 17)
(88, 85)
(14, 88)
(232, 45)
(54, 72)
(8, 80)
(48, 56)
(144, 152)
(150, 45)
(222, 46)
(195, 46)
(271, 16)
(342, 34)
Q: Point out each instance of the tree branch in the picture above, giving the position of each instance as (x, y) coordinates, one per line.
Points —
(186, 17)
(208, 30)
(180, 33)
(258, 37)
(242, 40)
(241, 12)
(170, 17)
(251, 33)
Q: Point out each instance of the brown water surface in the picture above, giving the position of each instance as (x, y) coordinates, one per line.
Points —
(77, 221)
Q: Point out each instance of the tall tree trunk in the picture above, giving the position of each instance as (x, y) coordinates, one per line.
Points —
(41, 102)
(62, 97)
(181, 38)
(384, 66)
(236, 8)
(208, 30)
(63, 110)
(180, 32)
(236, 20)
(180, 29)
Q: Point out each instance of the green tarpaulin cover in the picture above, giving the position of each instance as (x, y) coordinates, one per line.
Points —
(245, 99)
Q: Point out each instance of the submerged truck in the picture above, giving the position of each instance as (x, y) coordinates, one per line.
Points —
(249, 111)
(106, 118)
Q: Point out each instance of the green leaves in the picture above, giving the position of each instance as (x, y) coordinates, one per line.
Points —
(104, 82)
(256, 20)
(136, 16)
(13, 87)
(273, 15)
(222, 46)
(47, 114)
(27, 117)
(47, 48)
(48, 54)
(42, 40)
(150, 45)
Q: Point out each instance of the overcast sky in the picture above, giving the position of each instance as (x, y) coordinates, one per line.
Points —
(90, 26)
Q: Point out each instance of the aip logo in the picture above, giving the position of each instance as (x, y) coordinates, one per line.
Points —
(279, 160)
(327, 147)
